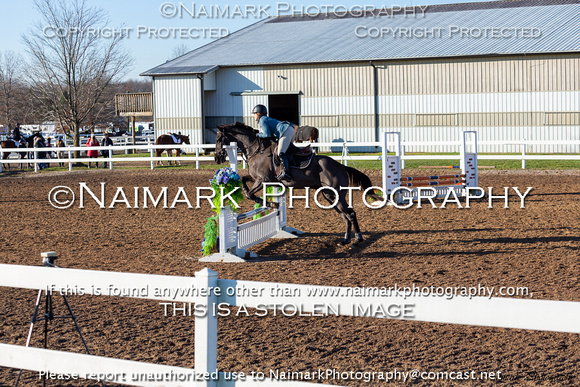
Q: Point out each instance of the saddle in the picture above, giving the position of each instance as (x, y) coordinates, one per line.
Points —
(298, 158)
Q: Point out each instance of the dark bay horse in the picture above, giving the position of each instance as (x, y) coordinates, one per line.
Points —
(9, 144)
(323, 171)
(167, 139)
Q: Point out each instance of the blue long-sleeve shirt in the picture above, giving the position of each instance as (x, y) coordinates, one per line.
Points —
(272, 127)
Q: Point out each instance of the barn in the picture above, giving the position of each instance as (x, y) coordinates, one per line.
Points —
(508, 69)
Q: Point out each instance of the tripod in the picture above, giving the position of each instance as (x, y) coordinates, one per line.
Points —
(48, 316)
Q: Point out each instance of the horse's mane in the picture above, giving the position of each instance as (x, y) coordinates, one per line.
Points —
(239, 128)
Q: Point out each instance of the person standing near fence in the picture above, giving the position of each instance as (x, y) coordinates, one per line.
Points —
(41, 155)
(93, 153)
(106, 141)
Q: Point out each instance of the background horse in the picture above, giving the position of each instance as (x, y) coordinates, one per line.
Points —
(306, 133)
(9, 144)
(166, 139)
(323, 171)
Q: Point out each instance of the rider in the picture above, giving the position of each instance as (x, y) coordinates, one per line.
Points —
(16, 133)
(282, 130)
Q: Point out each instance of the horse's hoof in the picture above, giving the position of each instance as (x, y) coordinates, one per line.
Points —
(344, 242)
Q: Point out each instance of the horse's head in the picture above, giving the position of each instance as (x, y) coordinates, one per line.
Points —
(220, 154)
(239, 133)
(185, 139)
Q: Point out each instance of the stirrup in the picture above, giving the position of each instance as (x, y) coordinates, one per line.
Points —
(284, 177)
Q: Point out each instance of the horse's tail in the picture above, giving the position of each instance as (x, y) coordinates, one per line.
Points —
(358, 179)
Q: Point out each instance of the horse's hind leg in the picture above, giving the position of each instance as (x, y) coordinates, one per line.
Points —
(158, 153)
(358, 237)
(347, 214)
(350, 217)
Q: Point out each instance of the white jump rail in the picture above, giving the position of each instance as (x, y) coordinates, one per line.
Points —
(543, 315)
(235, 238)
(393, 181)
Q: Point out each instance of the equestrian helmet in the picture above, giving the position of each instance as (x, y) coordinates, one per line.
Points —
(260, 109)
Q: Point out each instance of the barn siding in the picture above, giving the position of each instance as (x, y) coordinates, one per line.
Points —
(504, 98)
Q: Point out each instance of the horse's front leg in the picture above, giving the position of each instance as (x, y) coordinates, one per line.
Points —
(250, 193)
(177, 152)
(245, 188)
(5, 157)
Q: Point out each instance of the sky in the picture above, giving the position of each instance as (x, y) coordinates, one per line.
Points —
(151, 24)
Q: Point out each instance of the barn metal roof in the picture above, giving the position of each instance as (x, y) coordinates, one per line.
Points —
(537, 26)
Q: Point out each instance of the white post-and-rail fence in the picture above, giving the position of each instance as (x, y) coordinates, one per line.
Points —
(235, 238)
(70, 160)
(344, 158)
(546, 315)
(439, 185)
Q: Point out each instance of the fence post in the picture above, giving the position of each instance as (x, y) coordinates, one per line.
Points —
(196, 158)
(152, 155)
(206, 327)
(35, 163)
(524, 155)
(111, 157)
(232, 151)
(402, 157)
(69, 161)
(1, 157)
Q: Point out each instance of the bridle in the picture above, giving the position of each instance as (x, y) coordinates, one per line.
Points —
(247, 153)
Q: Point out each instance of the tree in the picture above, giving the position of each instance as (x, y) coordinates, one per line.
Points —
(179, 50)
(73, 62)
(10, 88)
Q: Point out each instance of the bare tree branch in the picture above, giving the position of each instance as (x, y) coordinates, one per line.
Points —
(72, 63)
(10, 87)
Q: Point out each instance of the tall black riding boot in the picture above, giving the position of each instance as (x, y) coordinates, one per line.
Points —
(284, 175)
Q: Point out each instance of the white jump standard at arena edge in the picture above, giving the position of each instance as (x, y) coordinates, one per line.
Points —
(235, 238)
(405, 188)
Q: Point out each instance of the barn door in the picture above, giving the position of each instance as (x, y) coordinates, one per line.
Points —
(284, 107)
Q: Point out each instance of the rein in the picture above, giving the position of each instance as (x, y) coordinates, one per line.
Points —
(248, 153)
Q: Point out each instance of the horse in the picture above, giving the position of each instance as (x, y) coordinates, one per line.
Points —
(322, 171)
(166, 139)
(9, 144)
(306, 133)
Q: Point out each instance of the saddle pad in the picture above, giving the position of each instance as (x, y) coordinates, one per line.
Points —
(296, 162)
